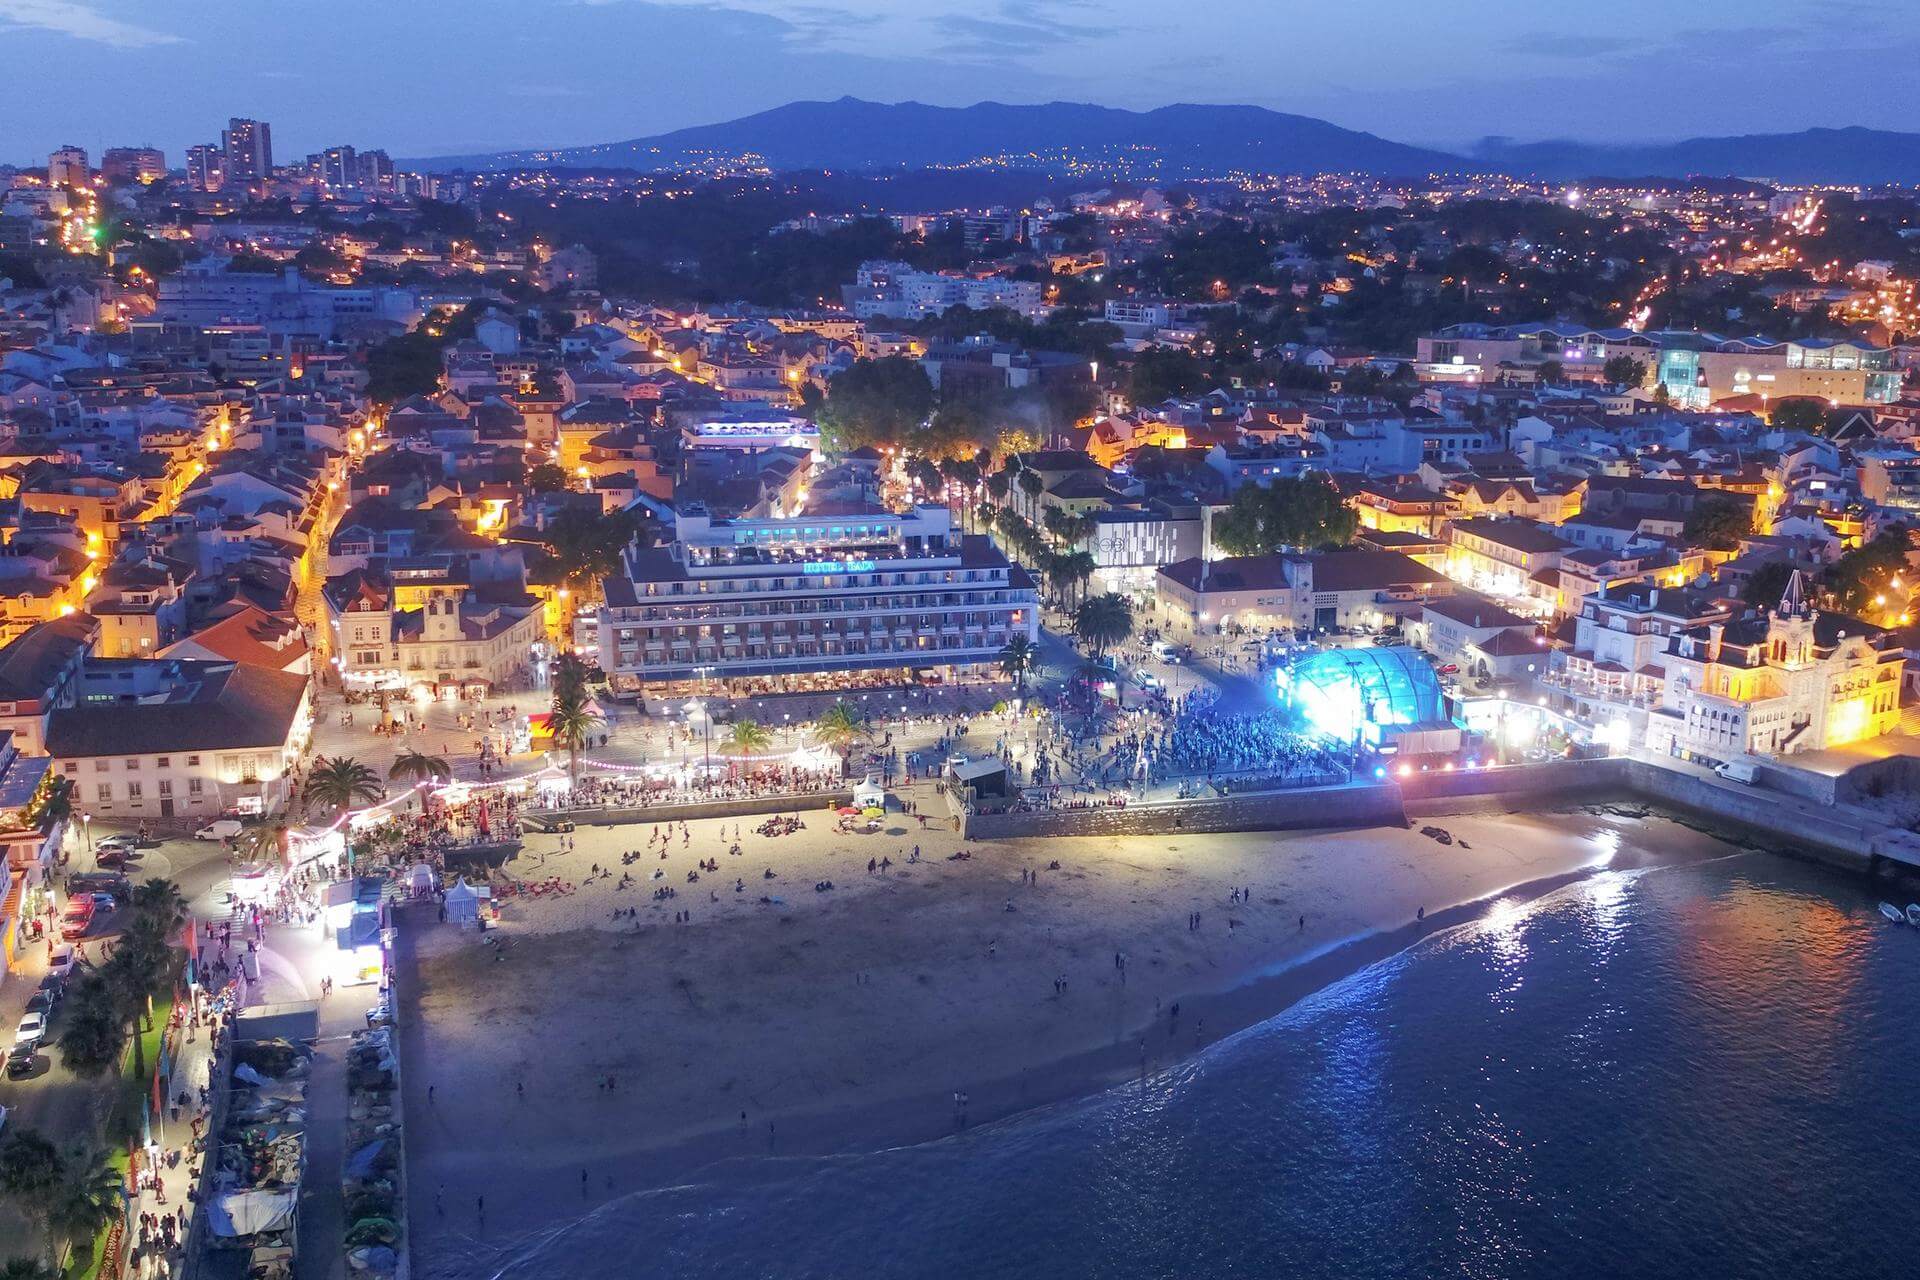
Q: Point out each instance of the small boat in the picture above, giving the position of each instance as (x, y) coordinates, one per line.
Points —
(1913, 914)
(1893, 913)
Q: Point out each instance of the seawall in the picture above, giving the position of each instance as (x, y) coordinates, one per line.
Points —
(745, 807)
(1840, 834)
(1307, 807)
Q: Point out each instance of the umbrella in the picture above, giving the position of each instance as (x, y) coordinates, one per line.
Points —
(872, 812)
(848, 811)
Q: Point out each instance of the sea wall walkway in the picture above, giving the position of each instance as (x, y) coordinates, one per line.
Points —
(1841, 833)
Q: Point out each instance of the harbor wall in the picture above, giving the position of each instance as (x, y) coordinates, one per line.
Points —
(819, 802)
(1306, 808)
(1839, 834)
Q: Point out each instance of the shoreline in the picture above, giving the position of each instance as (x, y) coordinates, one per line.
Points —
(1209, 1013)
(902, 1121)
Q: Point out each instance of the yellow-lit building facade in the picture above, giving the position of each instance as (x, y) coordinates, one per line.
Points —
(1788, 681)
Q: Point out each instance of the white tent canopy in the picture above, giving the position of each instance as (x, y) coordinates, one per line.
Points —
(247, 1213)
(463, 902)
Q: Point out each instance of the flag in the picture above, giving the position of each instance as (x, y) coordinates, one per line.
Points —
(146, 1124)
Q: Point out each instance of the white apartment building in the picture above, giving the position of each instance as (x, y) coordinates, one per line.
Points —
(811, 602)
(898, 290)
(164, 738)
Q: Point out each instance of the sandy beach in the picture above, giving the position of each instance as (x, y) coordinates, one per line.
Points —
(851, 1018)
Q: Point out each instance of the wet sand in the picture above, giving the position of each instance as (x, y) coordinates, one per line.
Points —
(849, 1019)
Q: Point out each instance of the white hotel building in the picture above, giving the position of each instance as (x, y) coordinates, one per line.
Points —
(763, 605)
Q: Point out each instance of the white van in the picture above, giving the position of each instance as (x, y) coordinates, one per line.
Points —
(1737, 771)
(222, 829)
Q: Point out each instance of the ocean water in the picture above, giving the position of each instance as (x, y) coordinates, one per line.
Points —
(1709, 1070)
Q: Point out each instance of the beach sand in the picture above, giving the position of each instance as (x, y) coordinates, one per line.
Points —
(850, 1018)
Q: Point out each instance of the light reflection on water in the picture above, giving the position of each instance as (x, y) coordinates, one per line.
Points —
(1686, 1071)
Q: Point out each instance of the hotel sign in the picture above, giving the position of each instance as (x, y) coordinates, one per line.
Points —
(837, 566)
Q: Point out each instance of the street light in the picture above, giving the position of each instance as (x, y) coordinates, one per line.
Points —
(695, 707)
(86, 826)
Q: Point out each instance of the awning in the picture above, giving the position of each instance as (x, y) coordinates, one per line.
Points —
(246, 1213)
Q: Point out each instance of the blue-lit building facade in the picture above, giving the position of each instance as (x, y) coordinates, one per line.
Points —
(860, 599)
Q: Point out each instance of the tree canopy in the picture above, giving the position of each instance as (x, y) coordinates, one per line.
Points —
(1304, 511)
(408, 365)
(1719, 521)
(1161, 373)
(876, 402)
(1800, 413)
(1866, 571)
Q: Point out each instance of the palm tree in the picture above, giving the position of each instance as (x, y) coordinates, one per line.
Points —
(159, 907)
(263, 841)
(839, 727)
(1059, 523)
(337, 781)
(93, 1029)
(749, 737)
(1017, 659)
(87, 1198)
(569, 674)
(1104, 621)
(27, 1269)
(419, 766)
(1078, 570)
(572, 722)
(997, 485)
(30, 1172)
(1030, 485)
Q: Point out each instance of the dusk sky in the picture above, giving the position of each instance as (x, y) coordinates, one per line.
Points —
(425, 77)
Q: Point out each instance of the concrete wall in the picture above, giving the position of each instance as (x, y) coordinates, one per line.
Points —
(1435, 793)
(819, 802)
(1848, 836)
(1308, 807)
(1854, 836)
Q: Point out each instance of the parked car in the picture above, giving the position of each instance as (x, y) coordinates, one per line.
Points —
(42, 1002)
(21, 1059)
(220, 829)
(103, 901)
(54, 985)
(61, 962)
(31, 1031)
(78, 919)
(126, 844)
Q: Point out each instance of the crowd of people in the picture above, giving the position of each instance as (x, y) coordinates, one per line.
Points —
(1206, 742)
(638, 790)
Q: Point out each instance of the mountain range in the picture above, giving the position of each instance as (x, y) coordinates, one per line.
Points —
(1190, 141)
(1852, 155)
